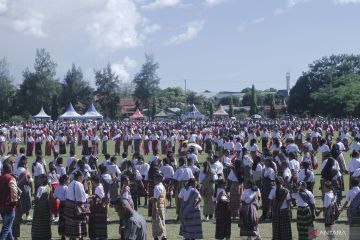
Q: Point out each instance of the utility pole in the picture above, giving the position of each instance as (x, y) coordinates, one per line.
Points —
(186, 100)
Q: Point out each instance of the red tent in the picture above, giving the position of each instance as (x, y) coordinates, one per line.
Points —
(137, 115)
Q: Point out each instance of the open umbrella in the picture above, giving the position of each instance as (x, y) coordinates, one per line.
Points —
(195, 145)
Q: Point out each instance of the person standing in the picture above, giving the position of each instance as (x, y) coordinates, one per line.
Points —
(41, 224)
(281, 213)
(190, 216)
(158, 209)
(8, 201)
(222, 212)
(207, 178)
(134, 223)
(248, 210)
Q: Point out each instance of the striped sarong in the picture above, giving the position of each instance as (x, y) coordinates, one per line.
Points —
(190, 218)
(75, 226)
(98, 219)
(282, 225)
(236, 190)
(61, 226)
(179, 186)
(304, 223)
(41, 224)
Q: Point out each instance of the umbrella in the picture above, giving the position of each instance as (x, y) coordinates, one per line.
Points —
(195, 145)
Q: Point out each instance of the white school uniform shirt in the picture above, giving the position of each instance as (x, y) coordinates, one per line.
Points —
(40, 191)
(355, 146)
(275, 147)
(2, 139)
(301, 176)
(60, 170)
(19, 171)
(99, 191)
(329, 197)
(193, 157)
(336, 165)
(292, 148)
(158, 189)
(107, 178)
(38, 169)
(17, 160)
(183, 174)
(167, 171)
(238, 147)
(226, 161)
(287, 174)
(300, 202)
(185, 193)
(294, 165)
(308, 146)
(232, 177)
(53, 178)
(272, 195)
(352, 193)
(202, 176)
(248, 195)
(269, 173)
(76, 192)
(113, 169)
(356, 173)
(217, 167)
(60, 192)
(354, 164)
(143, 168)
(229, 146)
(264, 135)
(253, 148)
(69, 161)
(247, 161)
(324, 148)
(276, 135)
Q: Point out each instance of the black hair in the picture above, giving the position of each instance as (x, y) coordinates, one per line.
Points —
(354, 182)
(107, 156)
(7, 168)
(124, 155)
(190, 183)
(326, 173)
(63, 179)
(59, 160)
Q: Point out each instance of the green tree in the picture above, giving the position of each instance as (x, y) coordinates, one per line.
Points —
(231, 107)
(227, 100)
(146, 82)
(253, 101)
(76, 90)
(107, 91)
(54, 107)
(211, 109)
(321, 73)
(7, 90)
(272, 107)
(38, 87)
(153, 107)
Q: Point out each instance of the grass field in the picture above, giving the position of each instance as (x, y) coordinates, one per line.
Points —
(208, 227)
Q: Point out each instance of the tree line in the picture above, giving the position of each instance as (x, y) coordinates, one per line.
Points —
(41, 87)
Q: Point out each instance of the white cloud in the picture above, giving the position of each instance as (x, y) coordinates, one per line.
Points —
(124, 68)
(214, 2)
(192, 30)
(258, 20)
(3, 6)
(345, 2)
(279, 11)
(152, 28)
(116, 25)
(32, 25)
(156, 4)
(241, 27)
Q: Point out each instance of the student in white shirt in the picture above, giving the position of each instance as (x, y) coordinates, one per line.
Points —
(330, 173)
(307, 175)
(60, 169)
(294, 164)
(352, 193)
(158, 214)
(168, 172)
(76, 191)
(112, 168)
(354, 162)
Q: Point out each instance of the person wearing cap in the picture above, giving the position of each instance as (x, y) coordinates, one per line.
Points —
(8, 200)
(158, 208)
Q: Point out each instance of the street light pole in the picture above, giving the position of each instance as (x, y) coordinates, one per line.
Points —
(185, 93)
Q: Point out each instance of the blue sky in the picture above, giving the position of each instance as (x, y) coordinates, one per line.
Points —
(217, 45)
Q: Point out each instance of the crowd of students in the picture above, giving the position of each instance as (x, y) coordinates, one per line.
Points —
(250, 165)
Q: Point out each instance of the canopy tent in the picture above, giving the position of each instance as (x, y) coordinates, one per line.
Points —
(192, 113)
(92, 113)
(70, 113)
(137, 115)
(161, 114)
(41, 115)
(220, 112)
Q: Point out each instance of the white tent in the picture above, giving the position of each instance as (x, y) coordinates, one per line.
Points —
(92, 113)
(41, 115)
(192, 113)
(70, 113)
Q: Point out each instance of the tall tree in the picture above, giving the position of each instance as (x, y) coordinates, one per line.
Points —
(7, 90)
(253, 101)
(272, 107)
(231, 107)
(76, 90)
(153, 107)
(146, 82)
(38, 87)
(320, 73)
(211, 109)
(108, 89)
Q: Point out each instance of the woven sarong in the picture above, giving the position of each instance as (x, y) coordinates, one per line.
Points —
(98, 220)
(75, 226)
(304, 223)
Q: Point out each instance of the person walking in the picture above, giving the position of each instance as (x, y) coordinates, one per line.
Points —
(8, 201)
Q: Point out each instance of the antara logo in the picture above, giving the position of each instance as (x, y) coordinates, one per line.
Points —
(313, 233)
